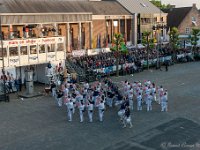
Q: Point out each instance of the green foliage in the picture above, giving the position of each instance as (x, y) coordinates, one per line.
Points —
(145, 35)
(118, 44)
(158, 4)
(174, 40)
(150, 41)
(194, 37)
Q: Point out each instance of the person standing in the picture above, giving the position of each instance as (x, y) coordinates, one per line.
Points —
(127, 118)
(164, 102)
(81, 110)
(59, 98)
(149, 102)
(70, 107)
(130, 98)
(101, 108)
(166, 65)
(53, 89)
(139, 102)
(90, 111)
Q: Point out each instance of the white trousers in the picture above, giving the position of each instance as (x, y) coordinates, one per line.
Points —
(139, 105)
(60, 102)
(163, 106)
(70, 115)
(149, 106)
(101, 112)
(109, 102)
(81, 115)
(53, 92)
(90, 115)
(131, 104)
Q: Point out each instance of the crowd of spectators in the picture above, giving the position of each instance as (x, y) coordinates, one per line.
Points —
(103, 60)
(135, 57)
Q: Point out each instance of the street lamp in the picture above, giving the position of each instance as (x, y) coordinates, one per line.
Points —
(158, 27)
(2, 59)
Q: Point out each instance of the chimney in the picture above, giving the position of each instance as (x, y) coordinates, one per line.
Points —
(194, 5)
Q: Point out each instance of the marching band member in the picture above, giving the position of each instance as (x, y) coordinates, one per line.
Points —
(70, 107)
(164, 102)
(81, 110)
(139, 102)
(101, 108)
(149, 102)
(90, 111)
(127, 118)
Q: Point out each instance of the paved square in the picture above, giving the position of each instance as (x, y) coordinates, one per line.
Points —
(38, 124)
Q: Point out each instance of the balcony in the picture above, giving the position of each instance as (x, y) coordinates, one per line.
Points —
(22, 52)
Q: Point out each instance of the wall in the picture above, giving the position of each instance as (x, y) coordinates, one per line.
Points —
(99, 27)
(187, 22)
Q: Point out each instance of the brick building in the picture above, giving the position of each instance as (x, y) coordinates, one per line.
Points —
(184, 18)
(35, 32)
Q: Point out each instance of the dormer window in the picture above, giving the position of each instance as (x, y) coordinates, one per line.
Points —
(143, 5)
(194, 19)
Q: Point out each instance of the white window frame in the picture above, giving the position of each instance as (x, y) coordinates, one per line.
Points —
(194, 18)
(187, 30)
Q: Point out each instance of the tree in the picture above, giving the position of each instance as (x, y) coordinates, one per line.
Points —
(158, 4)
(174, 39)
(194, 38)
(118, 46)
(146, 40)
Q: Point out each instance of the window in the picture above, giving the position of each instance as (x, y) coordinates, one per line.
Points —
(115, 23)
(23, 50)
(161, 19)
(4, 52)
(194, 19)
(60, 47)
(13, 51)
(51, 47)
(42, 48)
(187, 30)
(155, 19)
(33, 49)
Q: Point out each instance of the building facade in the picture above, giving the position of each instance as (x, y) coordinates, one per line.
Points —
(36, 32)
(184, 19)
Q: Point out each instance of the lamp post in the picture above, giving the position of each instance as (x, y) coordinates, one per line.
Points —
(158, 27)
(148, 52)
(3, 68)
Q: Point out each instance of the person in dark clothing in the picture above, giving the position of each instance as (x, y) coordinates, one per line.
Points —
(127, 117)
(59, 97)
(166, 65)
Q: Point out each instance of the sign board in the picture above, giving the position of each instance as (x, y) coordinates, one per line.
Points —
(78, 53)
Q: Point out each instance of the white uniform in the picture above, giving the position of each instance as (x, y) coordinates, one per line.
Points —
(53, 92)
(164, 103)
(121, 113)
(160, 92)
(153, 91)
(86, 85)
(74, 104)
(101, 107)
(66, 91)
(70, 107)
(149, 102)
(90, 112)
(130, 98)
(81, 110)
(139, 102)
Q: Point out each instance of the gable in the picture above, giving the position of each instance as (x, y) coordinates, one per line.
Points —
(177, 15)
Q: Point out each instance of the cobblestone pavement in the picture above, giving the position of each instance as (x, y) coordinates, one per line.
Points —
(38, 124)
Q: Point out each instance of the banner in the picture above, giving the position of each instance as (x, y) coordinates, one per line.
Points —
(78, 53)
